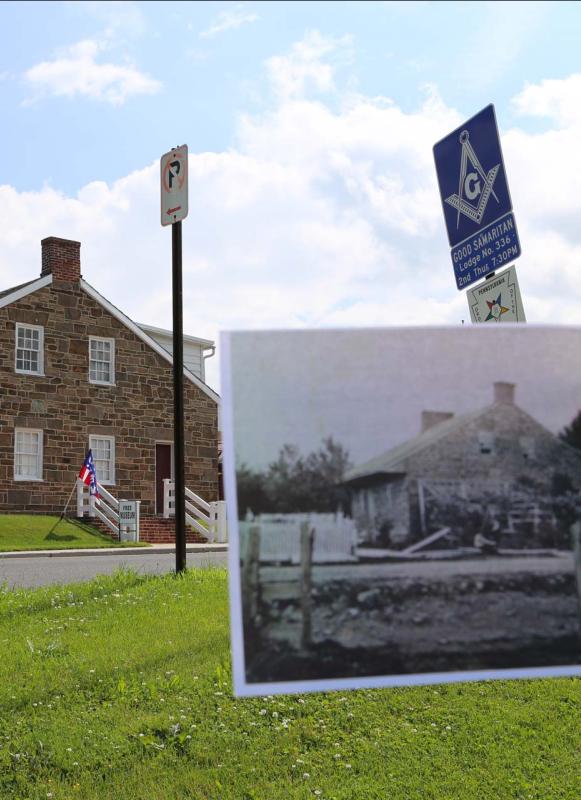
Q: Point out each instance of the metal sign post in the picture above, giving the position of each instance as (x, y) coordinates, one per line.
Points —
(475, 199)
(174, 208)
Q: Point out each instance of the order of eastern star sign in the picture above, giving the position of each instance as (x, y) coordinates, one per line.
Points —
(495, 309)
(476, 186)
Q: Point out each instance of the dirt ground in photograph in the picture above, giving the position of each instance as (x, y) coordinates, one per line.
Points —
(407, 618)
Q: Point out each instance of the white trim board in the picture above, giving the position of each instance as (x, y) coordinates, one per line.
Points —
(134, 328)
(206, 343)
(18, 294)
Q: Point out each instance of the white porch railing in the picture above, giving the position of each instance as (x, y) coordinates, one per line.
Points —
(106, 508)
(209, 519)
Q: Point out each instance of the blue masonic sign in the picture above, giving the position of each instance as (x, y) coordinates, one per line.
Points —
(475, 198)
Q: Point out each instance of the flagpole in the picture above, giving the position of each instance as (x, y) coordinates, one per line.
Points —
(64, 511)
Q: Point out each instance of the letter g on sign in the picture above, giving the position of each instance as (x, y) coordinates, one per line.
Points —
(472, 186)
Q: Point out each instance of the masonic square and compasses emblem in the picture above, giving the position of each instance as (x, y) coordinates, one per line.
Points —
(476, 202)
(475, 186)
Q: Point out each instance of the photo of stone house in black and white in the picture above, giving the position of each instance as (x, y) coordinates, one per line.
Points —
(406, 505)
(494, 466)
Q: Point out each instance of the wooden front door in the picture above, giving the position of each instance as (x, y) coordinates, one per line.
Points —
(163, 469)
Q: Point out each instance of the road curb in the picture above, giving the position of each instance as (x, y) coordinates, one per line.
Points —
(106, 551)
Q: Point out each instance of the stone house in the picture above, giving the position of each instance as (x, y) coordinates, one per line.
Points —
(497, 457)
(75, 372)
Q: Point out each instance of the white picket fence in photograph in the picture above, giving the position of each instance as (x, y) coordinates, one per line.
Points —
(335, 537)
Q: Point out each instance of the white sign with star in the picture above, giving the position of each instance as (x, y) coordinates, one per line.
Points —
(498, 299)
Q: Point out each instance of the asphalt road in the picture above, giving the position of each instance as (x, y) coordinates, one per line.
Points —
(42, 570)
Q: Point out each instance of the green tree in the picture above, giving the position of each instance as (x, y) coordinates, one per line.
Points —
(251, 491)
(286, 480)
(294, 483)
(571, 434)
(309, 484)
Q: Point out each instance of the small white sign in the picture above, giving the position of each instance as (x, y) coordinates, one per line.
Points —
(174, 185)
(497, 299)
(128, 514)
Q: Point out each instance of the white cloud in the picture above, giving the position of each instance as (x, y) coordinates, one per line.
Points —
(75, 71)
(310, 64)
(557, 100)
(229, 20)
(316, 217)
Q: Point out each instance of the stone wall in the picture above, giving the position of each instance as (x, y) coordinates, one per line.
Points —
(137, 410)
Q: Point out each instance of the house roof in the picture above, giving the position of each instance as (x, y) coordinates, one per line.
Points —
(141, 334)
(392, 463)
(9, 296)
(393, 460)
(205, 344)
(15, 288)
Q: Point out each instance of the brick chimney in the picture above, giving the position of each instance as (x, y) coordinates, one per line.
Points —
(431, 418)
(504, 393)
(62, 259)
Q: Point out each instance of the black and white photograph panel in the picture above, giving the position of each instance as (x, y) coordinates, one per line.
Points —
(407, 505)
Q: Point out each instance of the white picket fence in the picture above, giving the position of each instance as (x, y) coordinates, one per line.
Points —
(209, 519)
(335, 537)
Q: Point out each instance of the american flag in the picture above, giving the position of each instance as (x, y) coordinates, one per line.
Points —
(88, 475)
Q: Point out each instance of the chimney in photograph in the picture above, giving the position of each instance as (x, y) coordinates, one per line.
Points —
(504, 393)
(61, 258)
(431, 418)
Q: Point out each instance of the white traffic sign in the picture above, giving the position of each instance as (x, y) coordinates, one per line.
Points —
(129, 520)
(174, 185)
(497, 299)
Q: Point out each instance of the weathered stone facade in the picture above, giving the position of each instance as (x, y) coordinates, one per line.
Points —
(137, 410)
(454, 452)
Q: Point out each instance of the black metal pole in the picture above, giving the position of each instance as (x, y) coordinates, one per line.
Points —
(178, 382)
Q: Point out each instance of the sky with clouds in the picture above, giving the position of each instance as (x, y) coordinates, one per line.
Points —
(313, 195)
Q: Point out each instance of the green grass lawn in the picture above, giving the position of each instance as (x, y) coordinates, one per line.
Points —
(119, 689)
(39, 532)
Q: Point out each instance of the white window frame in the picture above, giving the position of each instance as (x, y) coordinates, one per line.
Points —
(527, 444)
(111, 439)
(112, 362)
(39, 456)
(486, 443)
(40, 329)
